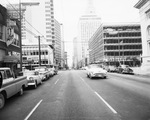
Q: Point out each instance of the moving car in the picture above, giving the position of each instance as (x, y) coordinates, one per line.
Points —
(33, 78)
(95, 70)
(124, 69)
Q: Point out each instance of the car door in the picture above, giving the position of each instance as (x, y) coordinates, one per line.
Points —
(8, 83)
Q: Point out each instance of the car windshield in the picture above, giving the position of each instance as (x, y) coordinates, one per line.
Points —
(91, 57)
(95, 66)
(29, 73)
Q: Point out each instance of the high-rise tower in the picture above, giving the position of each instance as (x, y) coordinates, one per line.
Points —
(88, 24)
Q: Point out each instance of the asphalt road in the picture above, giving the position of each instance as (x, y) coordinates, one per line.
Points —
(70, 95)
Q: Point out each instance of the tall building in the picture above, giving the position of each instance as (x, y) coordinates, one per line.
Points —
(57, 43)
(40, 22)
(144, 10)
(75, 51)
(62, 47)
(87, 26)
(116, 43)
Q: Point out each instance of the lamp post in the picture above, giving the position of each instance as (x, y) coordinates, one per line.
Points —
(20, 18)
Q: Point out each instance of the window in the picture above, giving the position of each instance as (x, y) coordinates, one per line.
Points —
(3, 74)
(148, 14)
(9, 75)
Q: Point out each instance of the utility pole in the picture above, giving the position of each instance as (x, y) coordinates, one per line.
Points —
(20, 15)
(39, 51)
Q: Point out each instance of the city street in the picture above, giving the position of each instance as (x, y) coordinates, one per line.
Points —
(70, 95)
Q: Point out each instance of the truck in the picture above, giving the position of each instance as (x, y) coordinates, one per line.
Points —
(10, 85)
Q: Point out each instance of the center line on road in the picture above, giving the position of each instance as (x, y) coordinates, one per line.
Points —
(33, 110)
(113, 110)
(56, 81)
(106, 103)
(86, 84)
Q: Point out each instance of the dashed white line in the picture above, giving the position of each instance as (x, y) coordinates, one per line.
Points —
(86, 84)
(33, 110)
(56, 81)
(113, 110)
(106, 103)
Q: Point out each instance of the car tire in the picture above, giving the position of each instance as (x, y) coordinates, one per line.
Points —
(41, 82)
(2, 100)
(21, 91)
(87, 75)
(35, 86)
(90, 76)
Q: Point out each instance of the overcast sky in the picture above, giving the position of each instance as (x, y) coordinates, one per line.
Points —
(68, 12)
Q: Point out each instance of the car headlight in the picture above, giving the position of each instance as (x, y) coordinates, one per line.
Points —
(31, 78)
(92, 72)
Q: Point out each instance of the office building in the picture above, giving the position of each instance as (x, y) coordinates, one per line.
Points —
(30, 55)
(116, 43)
(88, 24)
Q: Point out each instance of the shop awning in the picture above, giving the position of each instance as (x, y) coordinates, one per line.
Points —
(11, 59)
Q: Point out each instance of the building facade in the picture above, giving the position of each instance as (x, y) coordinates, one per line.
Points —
(144, 11)
(57, 43)
(75, 55)
(9, 41)
(121, 45)
(30, 54)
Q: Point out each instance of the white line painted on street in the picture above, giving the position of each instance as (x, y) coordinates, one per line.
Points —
(33, 110)
(106, 103)
(100, 97)
(86, 84)
(56, 81)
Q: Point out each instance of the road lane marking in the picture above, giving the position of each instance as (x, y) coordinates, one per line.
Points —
(86, 84)
(113, 110)
(56, 81)
(33, 110)
(106, 103)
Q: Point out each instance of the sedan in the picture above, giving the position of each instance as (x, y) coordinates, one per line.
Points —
(124, 69)
(95, 70)
(33, 78)
(111, 69)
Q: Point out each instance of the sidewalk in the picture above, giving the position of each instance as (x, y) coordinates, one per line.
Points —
(139, 71)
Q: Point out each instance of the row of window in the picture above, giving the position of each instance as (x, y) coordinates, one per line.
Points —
(25, 53)
(122, 40)
(42, 62)
(123, 53)
(123, 47)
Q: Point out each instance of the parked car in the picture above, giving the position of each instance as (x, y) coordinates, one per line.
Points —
(44, 72)
(124, 69)
(111, 68)
(33, 78)
(95, 70)
(10, 85)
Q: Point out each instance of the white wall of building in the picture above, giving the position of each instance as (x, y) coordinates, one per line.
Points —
(144, 11)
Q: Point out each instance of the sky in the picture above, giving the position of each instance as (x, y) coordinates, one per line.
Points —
(68, 13)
